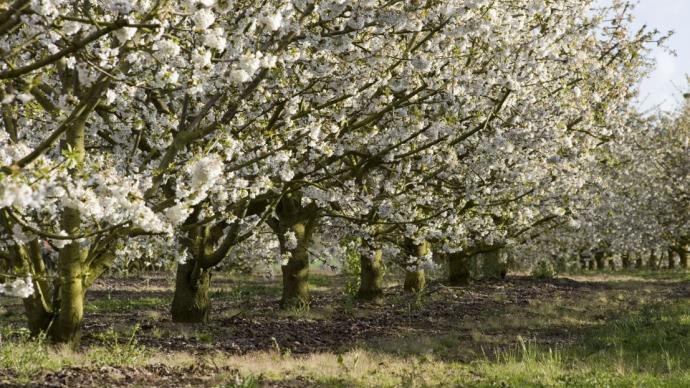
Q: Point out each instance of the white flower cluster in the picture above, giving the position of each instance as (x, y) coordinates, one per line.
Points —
(19, 287)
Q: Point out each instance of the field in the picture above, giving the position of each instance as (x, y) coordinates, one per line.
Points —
(609, 329)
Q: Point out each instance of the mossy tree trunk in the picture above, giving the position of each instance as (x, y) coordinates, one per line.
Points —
(26, 258)
(612, 264)
(71, 274)
(207, 245)
(653, 260)
(683, 254)
(599, 258)
(415, 280)
(302, 222)
(191, 303)
(458, 269)
(671, 259)
(492, 268)
(38, 308)
(639, 262)
(371, 276)
(66, 327)
(296, 272)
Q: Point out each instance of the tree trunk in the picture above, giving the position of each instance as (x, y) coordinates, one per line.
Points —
(591, 264)
(296, 272)
(191, 303)
(639, 263)
(38, 317)
(625, 258)
(683, 253)
(295, 282)
(671, 259)
(371, 276)
(301, 221)
(458, 269)
(65, 328)
(492, 268)
(38, 308)
(599, 257)
(653, 261)
(414, 281)
(612, 265)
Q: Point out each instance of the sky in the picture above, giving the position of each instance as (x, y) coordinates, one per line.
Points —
(666, 85)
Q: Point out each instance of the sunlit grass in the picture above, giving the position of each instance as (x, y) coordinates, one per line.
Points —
(637, 337)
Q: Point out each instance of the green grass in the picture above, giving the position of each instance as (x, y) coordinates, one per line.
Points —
(123, 305)
(626, 331)
(642, 274)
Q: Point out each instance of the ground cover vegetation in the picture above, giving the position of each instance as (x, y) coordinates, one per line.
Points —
(338, 193)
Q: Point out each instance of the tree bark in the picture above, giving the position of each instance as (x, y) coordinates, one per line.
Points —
(66, 327)
(414, 281)
(296, 272)
(71, 275)
(591, 265)
(458, 269)
(653, 261)
(38, 307)
(492, 268)
(191, 303)
(639, 263)
(671, 259)
(302, 221)
(599, 258)
(371, 276)
(612, 265)
(625, 259)
(683, 253)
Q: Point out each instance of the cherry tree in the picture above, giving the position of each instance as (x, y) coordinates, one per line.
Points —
(183, 129)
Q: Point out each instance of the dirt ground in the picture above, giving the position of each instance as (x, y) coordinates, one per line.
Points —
(458, 324)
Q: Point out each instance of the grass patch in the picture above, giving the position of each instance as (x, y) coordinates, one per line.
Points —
(122, 305)
(25, 358)
(614, 330)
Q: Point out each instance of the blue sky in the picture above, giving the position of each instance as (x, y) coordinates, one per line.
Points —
(667, 83)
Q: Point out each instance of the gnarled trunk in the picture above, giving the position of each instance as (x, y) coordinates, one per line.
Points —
(191, 303)
(296, 272)
(371, 276)
(301, 222)
(458, 269)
